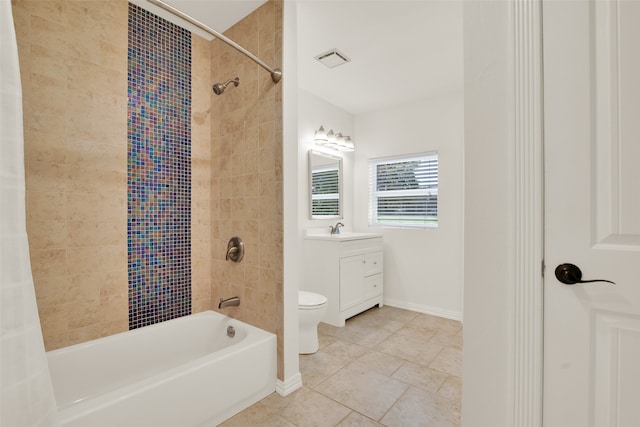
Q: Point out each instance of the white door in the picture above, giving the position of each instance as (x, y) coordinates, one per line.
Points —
(592, 212)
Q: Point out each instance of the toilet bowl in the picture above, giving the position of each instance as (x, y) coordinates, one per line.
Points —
(311, 310)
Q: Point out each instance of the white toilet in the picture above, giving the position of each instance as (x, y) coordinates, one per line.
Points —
(311, 310)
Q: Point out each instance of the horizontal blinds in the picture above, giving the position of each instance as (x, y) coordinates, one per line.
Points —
(324, 182)
(404, 190)
(325, 192)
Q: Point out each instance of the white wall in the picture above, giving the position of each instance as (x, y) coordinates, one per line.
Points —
(423, 268)
(313, 112)
(291, 275)
(487, 369)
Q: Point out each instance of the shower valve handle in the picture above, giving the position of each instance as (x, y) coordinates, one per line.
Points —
(235, 249)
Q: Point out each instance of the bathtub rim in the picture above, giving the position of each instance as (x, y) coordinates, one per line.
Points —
(255, 337)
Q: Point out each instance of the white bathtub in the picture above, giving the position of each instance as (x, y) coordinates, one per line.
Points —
(185, 372)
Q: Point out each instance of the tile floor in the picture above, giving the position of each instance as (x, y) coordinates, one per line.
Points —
(386, 367)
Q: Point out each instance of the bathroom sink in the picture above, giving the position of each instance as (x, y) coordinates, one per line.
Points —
(344, 235)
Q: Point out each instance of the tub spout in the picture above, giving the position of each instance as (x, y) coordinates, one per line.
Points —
(229, 302)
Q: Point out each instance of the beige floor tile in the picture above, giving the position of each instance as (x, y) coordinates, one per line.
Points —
(452, 390)
(448, 340)
(366, 334)
(276, 403)
(355, 419)
(437, 323)
(345, 350)
(420, 408)
(320, 365)
(261, 412)
(389, 363)
(420, 376)
(275, 421)
(369, 393)
(315, 410)
(325, 340)
(324, 329)
(449, 361)
(412, 348)
(411, 330)
(375, 361)
(390, 313)
(256, 414)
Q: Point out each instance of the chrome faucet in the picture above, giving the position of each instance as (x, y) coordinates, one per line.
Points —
(229, 302)
(336, 229)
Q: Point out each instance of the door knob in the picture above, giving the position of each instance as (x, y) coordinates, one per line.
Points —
(570, 274)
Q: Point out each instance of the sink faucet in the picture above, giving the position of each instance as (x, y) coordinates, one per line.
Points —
(336, 229)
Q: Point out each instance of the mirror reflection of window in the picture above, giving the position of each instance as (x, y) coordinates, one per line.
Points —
(325, 197)
(325, 180)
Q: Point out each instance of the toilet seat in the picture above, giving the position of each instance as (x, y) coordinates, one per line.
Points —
(310, 300)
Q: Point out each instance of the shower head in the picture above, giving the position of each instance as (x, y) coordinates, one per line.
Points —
(218, 88)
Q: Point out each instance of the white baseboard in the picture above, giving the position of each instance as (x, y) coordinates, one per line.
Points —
(289, 385)
(448, 314)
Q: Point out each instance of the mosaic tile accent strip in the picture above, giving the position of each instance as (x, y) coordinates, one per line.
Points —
(159, 169)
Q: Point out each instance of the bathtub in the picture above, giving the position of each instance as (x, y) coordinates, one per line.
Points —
(184, 372)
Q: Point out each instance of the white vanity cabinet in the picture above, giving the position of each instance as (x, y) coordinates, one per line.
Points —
(347, 269)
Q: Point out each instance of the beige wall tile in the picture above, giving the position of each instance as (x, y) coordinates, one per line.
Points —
(47, 33)
(111, 328)
(82, 287)
(52, 290)
(113, 283)
(76, 184)
(245, 182)
(47, 234)
(84, 333)
(76, 172)
(51, 262)
(201, 170)
(54, 319)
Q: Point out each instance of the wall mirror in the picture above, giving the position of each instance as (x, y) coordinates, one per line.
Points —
(325, 185)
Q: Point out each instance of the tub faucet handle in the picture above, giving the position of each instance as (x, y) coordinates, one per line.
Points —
(235, 249)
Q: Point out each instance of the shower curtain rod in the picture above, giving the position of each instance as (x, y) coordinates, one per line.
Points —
(276, 74)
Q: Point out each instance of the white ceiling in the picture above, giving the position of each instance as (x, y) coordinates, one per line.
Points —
(219, 15)
(400, 50)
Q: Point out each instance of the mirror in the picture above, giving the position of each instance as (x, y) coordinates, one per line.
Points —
(325, 185)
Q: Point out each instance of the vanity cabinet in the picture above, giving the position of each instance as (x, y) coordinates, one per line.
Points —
(347, 270)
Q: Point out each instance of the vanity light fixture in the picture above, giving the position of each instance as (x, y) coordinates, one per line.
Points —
(348, 143)
(333, 141)
(321, 136)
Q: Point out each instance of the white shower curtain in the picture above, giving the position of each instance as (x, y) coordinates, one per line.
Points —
(27, 395)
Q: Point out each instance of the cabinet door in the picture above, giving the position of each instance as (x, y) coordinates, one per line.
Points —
(351, 281)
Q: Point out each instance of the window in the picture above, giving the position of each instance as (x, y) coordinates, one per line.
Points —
(403, 191)
(325, 191)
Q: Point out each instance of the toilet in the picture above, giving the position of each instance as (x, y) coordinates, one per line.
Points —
(311, 310)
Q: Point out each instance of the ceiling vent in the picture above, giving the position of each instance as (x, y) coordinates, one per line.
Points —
(333, 58)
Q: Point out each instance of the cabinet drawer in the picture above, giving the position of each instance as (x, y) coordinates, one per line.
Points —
(358, 247)
(373, 285)
(373, 263)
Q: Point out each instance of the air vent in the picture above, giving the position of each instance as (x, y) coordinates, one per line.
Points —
(333, 58)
